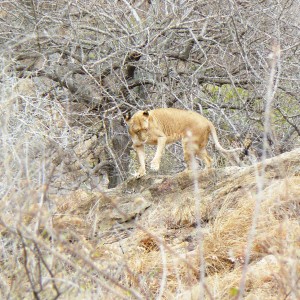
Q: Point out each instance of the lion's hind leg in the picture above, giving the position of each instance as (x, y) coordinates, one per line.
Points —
(202, 153)
(193, 148)
(190, 150)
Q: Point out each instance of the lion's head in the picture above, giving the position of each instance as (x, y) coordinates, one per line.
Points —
(138, 125)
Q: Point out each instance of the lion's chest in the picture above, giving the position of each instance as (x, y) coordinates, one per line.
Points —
(152, 140)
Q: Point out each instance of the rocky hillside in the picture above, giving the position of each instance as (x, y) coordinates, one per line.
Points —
(158, 237)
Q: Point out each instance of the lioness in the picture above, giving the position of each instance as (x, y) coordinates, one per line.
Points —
(167, 125)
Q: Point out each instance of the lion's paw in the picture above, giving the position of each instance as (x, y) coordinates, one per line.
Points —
(140, 173)
(155, 165)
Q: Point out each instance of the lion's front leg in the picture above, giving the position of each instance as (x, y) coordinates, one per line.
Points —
(141, 156)
(161, 143)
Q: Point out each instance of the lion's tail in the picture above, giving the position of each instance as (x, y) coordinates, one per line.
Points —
(213, 133)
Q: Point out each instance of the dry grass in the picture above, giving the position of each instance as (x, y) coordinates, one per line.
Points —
(225, 239)
(157, 255)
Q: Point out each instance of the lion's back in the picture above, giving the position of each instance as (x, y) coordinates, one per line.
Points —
(176, 120)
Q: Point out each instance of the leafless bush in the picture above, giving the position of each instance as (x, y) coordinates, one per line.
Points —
(112, 56)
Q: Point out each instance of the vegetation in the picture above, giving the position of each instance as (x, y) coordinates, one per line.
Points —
(69, 71)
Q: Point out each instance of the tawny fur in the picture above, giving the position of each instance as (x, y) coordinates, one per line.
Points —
(167, 125)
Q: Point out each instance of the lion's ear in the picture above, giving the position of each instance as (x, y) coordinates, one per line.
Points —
(127, 116)
(146, 113)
